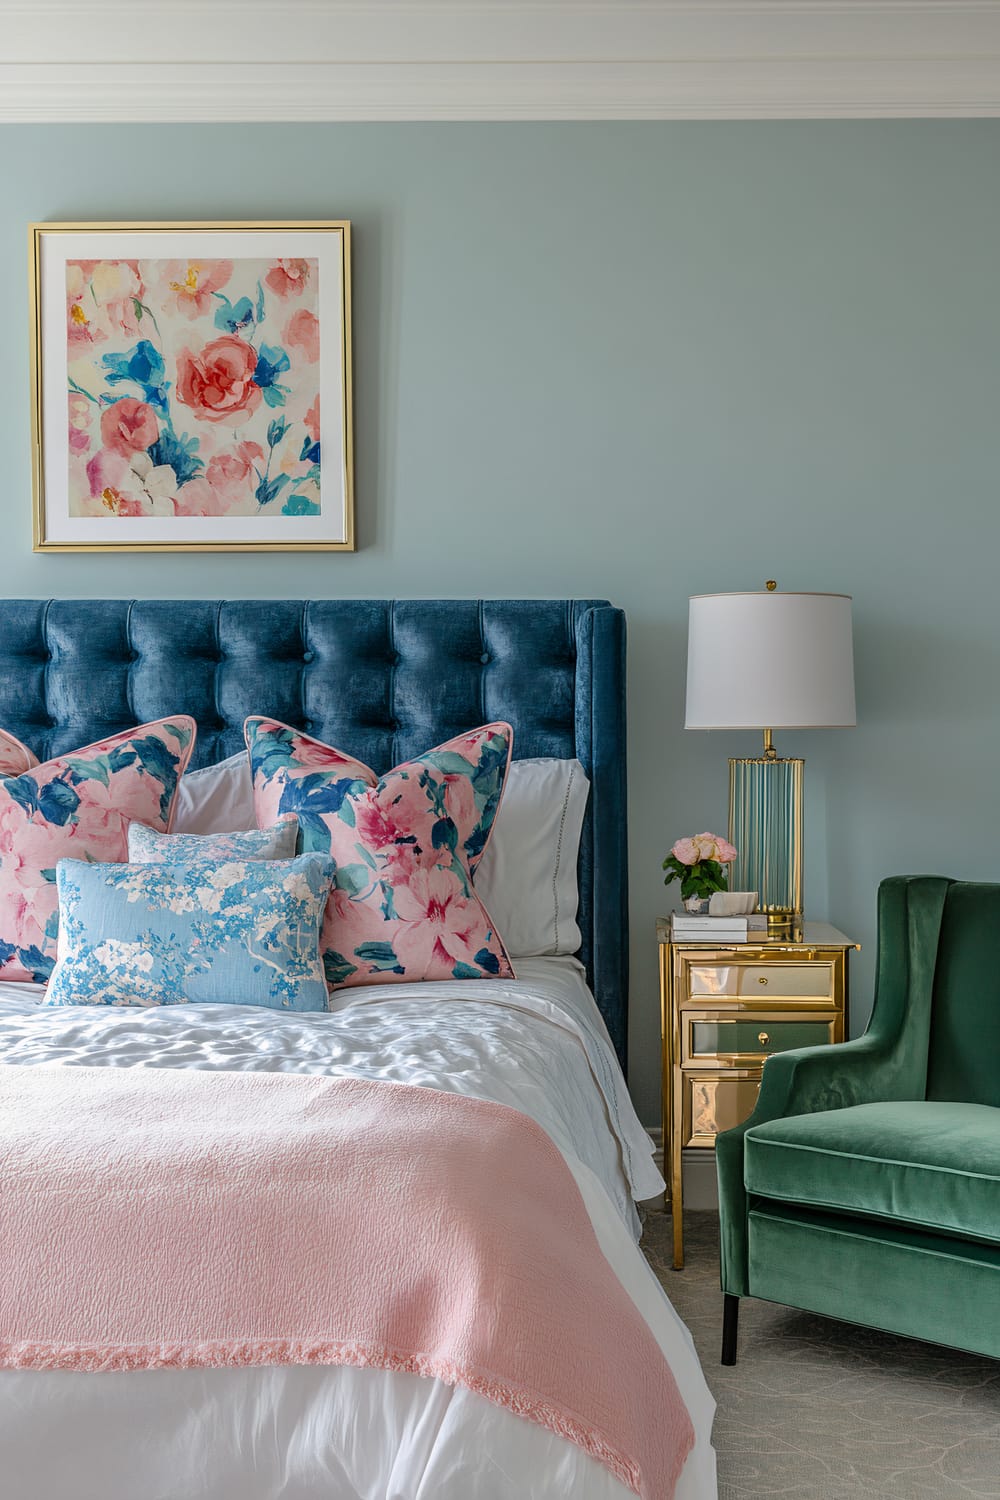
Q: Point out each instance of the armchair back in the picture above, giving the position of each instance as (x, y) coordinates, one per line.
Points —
(963, 1063)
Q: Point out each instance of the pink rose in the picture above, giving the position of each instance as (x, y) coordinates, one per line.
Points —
(302, 332)
(703, 846)
(218, 384)
(288, 277)
(227, 468)
(129, 426)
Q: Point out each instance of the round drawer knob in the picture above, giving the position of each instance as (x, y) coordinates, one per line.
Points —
(762, 980)
(763, 1038)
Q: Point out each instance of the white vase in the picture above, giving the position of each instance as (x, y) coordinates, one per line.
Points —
(696, 905)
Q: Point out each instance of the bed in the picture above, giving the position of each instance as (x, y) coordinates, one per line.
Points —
(389, 680)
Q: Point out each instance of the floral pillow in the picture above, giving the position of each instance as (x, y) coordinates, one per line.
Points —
(402, 905)
(243, 932)
(14, 757)
(147, 847)
(78, 806)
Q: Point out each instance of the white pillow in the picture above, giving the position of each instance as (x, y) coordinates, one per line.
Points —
(527, 879)
(216, 799)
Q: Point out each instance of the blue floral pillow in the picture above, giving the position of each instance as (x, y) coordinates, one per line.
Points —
(147, 847)
(244, 932)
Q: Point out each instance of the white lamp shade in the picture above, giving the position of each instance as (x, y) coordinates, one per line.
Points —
(770, 661)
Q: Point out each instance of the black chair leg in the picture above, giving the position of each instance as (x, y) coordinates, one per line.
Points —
(730, 1327)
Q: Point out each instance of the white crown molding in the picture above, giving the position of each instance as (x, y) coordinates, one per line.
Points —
(217, 60)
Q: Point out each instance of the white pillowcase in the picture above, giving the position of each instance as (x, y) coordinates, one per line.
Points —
(216, 799)
(527, 879)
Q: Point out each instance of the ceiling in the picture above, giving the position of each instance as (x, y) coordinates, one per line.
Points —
(194, 60)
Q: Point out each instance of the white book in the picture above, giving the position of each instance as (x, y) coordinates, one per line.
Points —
(710, 937)
(710, 932)
(708, 924)
(719, 932)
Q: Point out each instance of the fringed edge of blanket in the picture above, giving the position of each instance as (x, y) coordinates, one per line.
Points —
(236, 1354)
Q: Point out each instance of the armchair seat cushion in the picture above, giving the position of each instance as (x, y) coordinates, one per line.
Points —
(930, 1164)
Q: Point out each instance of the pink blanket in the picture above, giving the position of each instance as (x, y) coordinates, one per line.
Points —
(152, 1218)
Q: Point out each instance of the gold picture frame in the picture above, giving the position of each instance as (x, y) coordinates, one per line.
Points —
(207, 340)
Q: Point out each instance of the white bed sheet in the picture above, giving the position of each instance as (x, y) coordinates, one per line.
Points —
(538, 1044)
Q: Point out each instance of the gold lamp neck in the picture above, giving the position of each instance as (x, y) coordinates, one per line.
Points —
(769, 751)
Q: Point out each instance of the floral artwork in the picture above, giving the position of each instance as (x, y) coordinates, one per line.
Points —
(405, 844)
(193, 387)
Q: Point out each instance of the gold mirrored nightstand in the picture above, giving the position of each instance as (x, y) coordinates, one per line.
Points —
(724, 1009)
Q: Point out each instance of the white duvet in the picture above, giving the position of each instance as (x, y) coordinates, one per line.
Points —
(537, 1044)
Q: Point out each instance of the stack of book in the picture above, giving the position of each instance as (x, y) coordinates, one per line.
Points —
(691, 929)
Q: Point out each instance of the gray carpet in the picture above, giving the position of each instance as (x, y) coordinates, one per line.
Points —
(819, 1410)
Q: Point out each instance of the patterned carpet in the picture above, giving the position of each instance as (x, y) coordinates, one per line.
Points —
(818, 1410)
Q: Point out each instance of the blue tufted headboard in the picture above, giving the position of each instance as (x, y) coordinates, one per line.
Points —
(382, 679)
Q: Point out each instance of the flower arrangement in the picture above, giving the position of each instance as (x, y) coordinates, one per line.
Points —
(698, 864)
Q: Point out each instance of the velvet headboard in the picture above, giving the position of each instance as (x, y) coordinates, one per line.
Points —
(382, 679)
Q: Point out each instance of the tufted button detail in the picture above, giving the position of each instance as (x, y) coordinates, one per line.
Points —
(308, 656)
(308, 725)
(392, 657)
(485, 658)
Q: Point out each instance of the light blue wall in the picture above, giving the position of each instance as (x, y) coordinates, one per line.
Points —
(639, 361)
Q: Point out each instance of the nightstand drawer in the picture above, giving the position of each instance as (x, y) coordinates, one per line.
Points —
(710, 1040)
(715, 1102)
(761, 982)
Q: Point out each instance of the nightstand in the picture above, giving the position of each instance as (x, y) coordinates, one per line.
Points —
(724, 1009)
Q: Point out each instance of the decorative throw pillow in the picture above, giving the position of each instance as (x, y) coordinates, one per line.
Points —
(78, 806)
(245, 932)
(147, 847)
(402, 905)
(14, 757)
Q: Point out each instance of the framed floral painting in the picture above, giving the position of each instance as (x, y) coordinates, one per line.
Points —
(192, 387)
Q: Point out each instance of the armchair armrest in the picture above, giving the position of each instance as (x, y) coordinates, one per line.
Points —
(888, 1062)
(835, 1076)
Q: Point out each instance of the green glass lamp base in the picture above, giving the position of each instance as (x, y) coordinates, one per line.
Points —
(765, 825)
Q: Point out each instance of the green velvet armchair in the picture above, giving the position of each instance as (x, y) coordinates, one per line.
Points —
(866, 1183)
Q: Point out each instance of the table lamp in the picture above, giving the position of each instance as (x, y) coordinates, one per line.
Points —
(769, 661)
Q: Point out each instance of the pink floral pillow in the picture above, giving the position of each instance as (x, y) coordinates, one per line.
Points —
(405, 845)
(14, 757)
(78, 806)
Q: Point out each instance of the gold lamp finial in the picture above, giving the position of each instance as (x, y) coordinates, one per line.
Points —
(770, 585)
